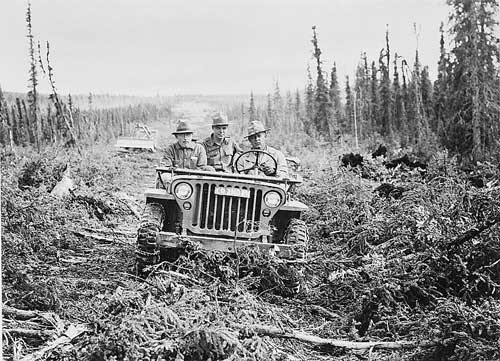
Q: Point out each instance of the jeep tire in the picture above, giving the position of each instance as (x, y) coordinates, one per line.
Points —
(147, 251)
(296, 234)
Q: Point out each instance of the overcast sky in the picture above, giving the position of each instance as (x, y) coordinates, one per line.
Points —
(208, 46)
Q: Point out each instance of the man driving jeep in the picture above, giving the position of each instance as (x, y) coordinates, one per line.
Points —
(264, 160)
(220, 149)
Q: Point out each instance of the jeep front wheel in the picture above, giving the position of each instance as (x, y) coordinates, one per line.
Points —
(147, 251)
(297, 234)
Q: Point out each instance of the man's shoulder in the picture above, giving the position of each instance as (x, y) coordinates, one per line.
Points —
(206, 141)
(170, 146)
(199, 147)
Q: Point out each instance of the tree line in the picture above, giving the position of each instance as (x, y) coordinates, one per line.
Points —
(395, 99)
(39, 120)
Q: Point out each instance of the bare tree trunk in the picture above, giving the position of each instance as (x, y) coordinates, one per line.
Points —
(476, 123)
(319, 341)
(27, 133)
(13, 128)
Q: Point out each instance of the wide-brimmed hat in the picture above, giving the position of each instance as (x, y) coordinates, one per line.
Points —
(256, 127)
(183, 127)
(219, 119)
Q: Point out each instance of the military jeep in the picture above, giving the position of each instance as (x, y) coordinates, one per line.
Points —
(220, 211)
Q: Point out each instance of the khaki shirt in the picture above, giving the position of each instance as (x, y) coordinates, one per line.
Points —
(191, 157)
(281, 167)
(221, 156)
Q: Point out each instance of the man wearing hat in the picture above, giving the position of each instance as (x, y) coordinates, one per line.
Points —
(257, 136)
(220, 148)
(185, 153)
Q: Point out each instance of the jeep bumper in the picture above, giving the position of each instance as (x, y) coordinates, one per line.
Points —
(173, 240)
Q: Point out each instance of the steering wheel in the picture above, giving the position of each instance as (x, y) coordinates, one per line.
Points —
(244, 163)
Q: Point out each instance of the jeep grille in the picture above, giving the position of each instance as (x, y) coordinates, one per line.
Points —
(226, 213)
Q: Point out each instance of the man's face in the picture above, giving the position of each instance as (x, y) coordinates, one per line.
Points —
(184, 138)
(258, 141)
(219, 131)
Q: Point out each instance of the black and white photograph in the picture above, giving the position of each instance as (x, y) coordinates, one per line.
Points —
(225, 180)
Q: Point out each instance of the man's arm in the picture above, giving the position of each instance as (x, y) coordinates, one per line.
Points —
(202, 155)
(168, 157)
(281, 167)
(236, 148)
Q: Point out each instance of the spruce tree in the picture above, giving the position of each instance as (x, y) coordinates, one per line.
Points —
(360, 86)
(472, 126)
(33, 134)
(365, 97)
(298, 108)
(251, 110)
(277, 107)
(310, 104)
(336, 102)
(269, 112)
(385, 123)
(374, 97)
(405, 129)
(426, 89)
(288, 112)
(419, 130)
(398, 97)
(348, 124)
(441, 84)
(322, 99)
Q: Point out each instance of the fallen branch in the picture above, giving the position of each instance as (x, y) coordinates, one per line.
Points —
(74, 260)
(457, 242)
(323, 311)
(33, 316)
(96, 237)
(19, 314)
(71, 333)
(110, 230)
(319, 341)
(24, 332)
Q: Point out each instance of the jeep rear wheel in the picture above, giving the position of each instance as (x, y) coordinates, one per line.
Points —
(147, 251)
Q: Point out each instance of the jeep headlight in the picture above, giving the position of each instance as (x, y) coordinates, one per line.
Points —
(272, 199)
(183, 190)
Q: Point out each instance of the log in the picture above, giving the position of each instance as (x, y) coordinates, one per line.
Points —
(271, 331)
(19, 314)
(24, 332)
(458, 241)
(323, 311)
(96, 237)
(110, 230)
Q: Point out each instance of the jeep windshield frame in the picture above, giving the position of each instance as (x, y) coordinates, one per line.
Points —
(229, 176)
